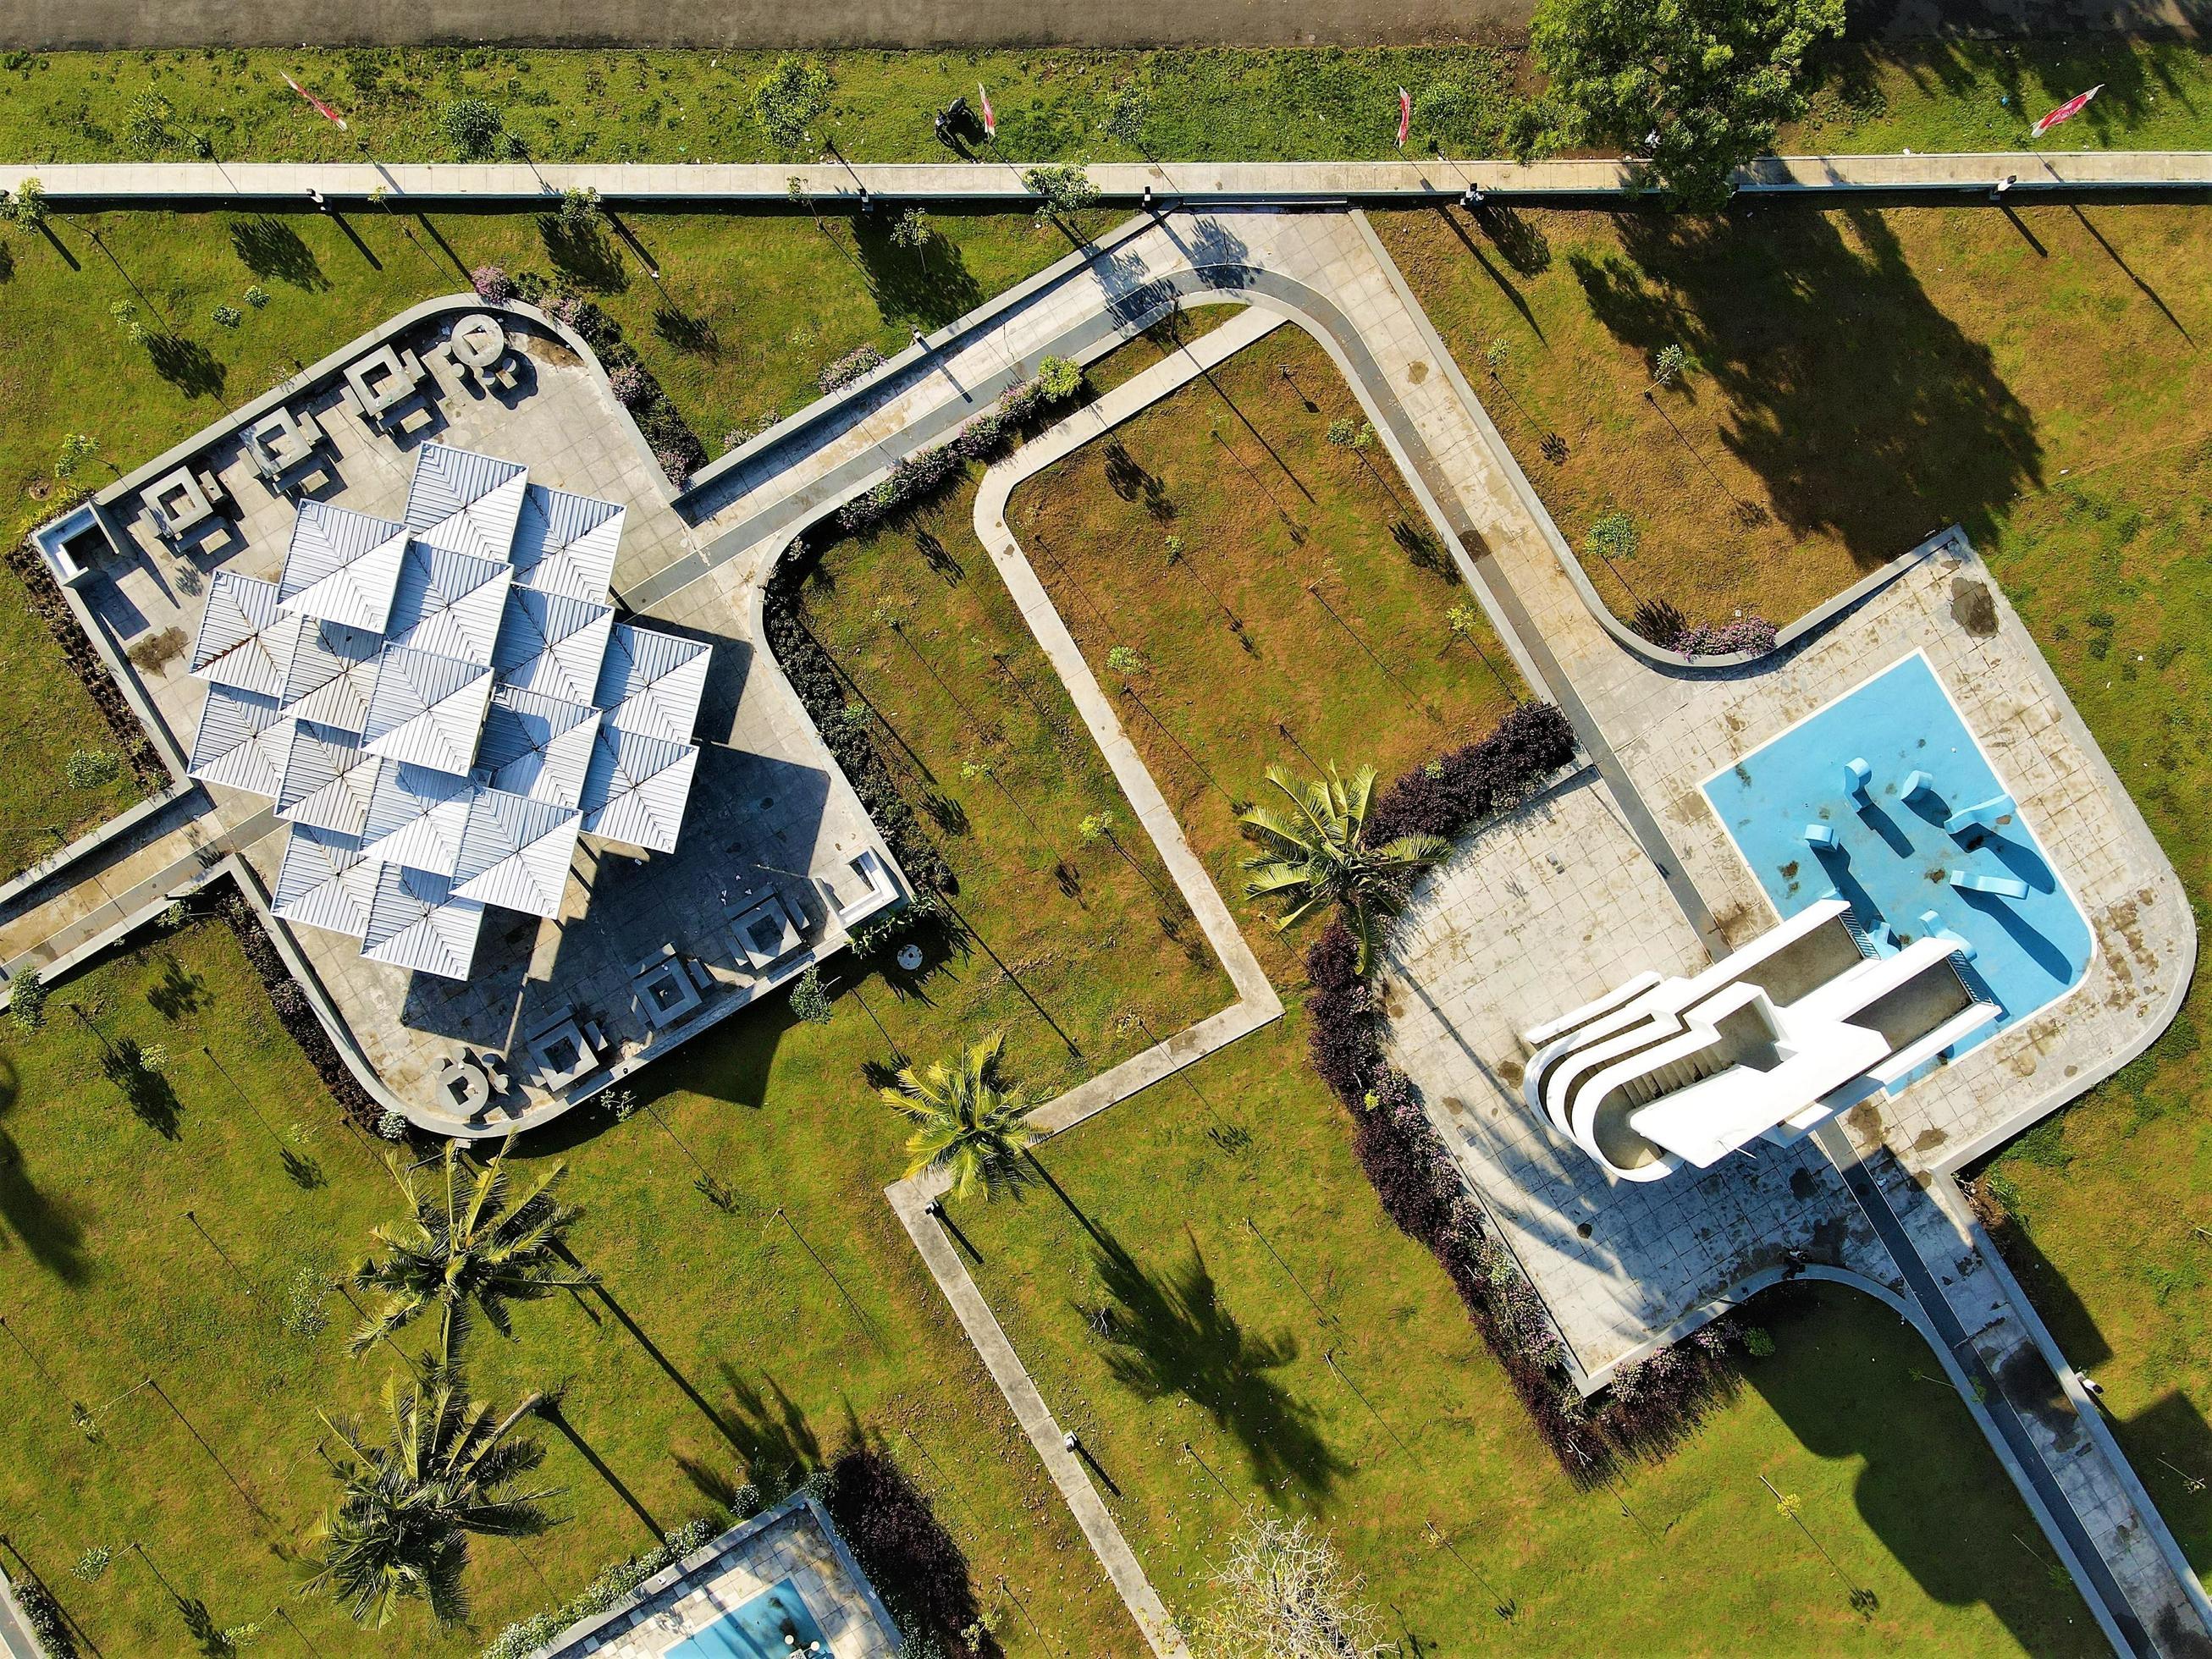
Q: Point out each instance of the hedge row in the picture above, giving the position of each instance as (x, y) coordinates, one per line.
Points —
(1456, 791)
(293, 1012)
(1415, 1175)
(911, 1561)
(984, 437)
(822, 693)
(87, 664)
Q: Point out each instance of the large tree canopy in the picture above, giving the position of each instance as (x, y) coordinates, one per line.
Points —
(1699, 87)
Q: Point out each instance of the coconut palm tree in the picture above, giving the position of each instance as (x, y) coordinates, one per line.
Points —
(1317, 855)
(465, 1249)
(965, 1122)
(399, 1530)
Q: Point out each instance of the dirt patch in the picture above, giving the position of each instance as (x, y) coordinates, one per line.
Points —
(150, 652)
(1929, 1139)
(1864, 1121)
(1973, 607)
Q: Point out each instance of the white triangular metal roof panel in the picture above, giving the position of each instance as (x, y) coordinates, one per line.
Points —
(465, 502)
(243, 642)
(324, 882)
(552, 644)
(448, 604)
(328, 779)
(414, 922)
(515, 851)
(342, 566)
(332, 675)
(651, 682)
(537, 746)
(426, 710)
(417, 817)
(242, 740)
(635, 790)
(566, 544)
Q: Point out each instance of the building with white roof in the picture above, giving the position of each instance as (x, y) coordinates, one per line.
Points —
(440, 706)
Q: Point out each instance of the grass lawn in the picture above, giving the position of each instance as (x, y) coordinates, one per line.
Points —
(2112, 1202)
(1319, 103)
(1855, 379)
(1306, 577)
(1162, 1298)
(745, 313)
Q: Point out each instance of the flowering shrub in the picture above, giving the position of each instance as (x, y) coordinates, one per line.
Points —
(490, 283)
(1753, 633)
(984, 436)
(859, 361)
(1457, 790)
(630, 384)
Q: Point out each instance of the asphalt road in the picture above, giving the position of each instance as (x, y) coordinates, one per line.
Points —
(55, 24)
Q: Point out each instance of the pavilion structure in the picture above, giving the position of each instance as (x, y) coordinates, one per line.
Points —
(440, 706)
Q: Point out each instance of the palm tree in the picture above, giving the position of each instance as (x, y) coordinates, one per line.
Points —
(1317, 855)
(400, 1528)
(466, 1249)
(964, 1121)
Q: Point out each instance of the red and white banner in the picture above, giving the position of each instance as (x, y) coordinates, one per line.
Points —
(1405, 116)
(2066, 112)
(990, 119)
(320, 107)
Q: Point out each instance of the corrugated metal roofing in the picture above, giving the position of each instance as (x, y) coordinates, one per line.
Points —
(515, 851)
(566, 544)
(328, 779)
(417, 817)
(636, 787)
(552, 644)
(651, 683)
(537, 746)
(242, 741)
(332, 675)
(414, 922)
(427, 710)
(342, 566)
(324, 882)
(448, 604)
(241, 642)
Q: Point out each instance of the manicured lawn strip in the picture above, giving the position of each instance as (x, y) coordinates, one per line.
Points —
(1856, 381)
(742, 315)
(1155, 1316)
(1319, 103)
(2110, 1203)
(1317, 551)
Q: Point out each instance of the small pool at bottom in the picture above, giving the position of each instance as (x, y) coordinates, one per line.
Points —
(757, 1630)
(1892, 858)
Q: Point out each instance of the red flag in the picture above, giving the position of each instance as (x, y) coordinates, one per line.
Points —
(1405, 116)
(321, 108)
(990, 120)
(2066, 112)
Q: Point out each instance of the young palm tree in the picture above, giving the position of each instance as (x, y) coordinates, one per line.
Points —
(400, 1528)
(965, 1122)
(464, 1248)
(1317, 855)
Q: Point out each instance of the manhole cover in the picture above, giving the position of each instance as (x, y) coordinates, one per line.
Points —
(910, 957)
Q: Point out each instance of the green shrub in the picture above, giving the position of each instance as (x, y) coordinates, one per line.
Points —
(471, 126)
(1061, 189)
(789, 98)
(809, 1000)
(28, 1002)
(1757, 1343)
(256, 295)
(1060, 378)
(227, 316)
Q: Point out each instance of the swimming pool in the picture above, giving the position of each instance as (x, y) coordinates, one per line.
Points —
(1893, 859)
(757, 1630)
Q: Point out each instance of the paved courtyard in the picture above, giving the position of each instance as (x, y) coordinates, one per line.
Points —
(770, 817)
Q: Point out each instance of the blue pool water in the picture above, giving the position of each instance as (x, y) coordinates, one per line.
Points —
(757, 1630)
(1891, 854)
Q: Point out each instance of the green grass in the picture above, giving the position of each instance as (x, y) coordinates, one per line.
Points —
(1296, 104)
(1375, 1408)
(2112, 1202)
(744, 315)
(1858, 379)
(1307, 580)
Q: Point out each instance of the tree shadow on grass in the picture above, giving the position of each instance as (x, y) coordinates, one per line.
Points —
(268, 247)
(929, 286)
(186, 364)
(1866, 411)
(1172, 1335)
(585, 254)
(46, 1227)
(771, 1433)
(149, 1094)
(179, 992)
(1928, 1488)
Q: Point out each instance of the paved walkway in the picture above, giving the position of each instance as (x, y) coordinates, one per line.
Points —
(1196, 182)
